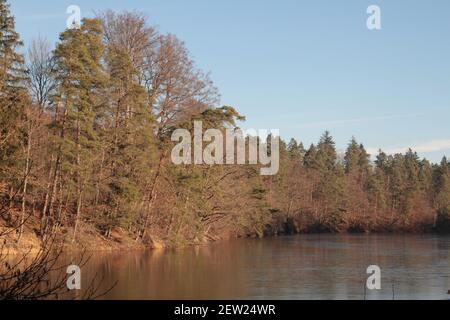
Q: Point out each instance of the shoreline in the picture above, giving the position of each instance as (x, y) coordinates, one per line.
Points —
(102, 245)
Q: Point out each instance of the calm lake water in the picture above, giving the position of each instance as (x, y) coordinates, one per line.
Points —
(297, 267)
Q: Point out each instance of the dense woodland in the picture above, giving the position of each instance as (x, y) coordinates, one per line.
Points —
(85, 130)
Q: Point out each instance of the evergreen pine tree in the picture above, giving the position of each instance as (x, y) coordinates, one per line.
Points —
(12, 69)
(13, 98)
(81, 96)
(127, 143)
(295, 150)
(326, 152)
(441, 183)
(310, 159)
(352, 155)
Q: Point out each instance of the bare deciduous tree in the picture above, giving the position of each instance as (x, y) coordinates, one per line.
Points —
(40, 67)
(128, 31)
(176, 88)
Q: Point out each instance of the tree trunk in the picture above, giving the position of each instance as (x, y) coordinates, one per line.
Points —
(25, 184)
(79, 187)
(152, 193)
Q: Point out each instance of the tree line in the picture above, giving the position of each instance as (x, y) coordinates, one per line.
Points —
(319, 189)
(85, 141)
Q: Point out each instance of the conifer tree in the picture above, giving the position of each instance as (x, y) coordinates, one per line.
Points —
(12, 70)
(377, 191)
(363, 160)
(329, 190)
(441, 183)
(295, 150)
(326, 152)
(80, 96)
(352, 156)
(310, 159)
(11, 81)
(13, 103)
(127, 143)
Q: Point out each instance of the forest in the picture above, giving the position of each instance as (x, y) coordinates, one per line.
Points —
(85, 143)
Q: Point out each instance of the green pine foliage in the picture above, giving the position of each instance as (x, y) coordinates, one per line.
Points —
(13, 100)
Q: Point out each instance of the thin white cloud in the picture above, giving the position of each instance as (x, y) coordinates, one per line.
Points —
(328, 124)
(425, 147)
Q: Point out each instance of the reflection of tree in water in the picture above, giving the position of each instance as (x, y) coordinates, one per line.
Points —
(300, 267)
(210, 272)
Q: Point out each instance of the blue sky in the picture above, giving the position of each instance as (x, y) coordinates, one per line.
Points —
(307, 66)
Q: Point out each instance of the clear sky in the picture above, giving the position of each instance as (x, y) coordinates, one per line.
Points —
(307, 66)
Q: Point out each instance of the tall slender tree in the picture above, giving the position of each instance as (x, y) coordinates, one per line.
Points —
(80, 96)
(14, 136)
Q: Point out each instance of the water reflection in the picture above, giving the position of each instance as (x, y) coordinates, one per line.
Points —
(300, 267)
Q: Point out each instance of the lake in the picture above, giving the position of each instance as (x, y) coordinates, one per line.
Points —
(296, 267)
